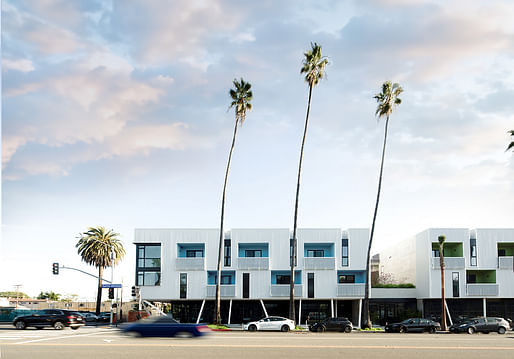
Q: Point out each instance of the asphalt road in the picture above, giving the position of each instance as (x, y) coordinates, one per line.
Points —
(101, 342)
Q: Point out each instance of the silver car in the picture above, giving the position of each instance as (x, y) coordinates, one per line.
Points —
(271, 323)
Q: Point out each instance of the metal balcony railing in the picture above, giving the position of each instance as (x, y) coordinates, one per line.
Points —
(190, 263)
(282, 290)
(226, 290)
(253, 263)
(351, 290)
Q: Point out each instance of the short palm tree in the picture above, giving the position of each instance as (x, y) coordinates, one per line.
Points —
(511, 145)
(314, 69)
(241, 96)
(387, 100)
(96, 246)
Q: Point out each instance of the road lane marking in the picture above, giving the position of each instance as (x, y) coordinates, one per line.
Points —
(261, 346)
(55, 338)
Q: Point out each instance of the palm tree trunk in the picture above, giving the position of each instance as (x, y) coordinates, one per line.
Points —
(443, 309)
(217, 319)
(365, 314)
(99, 294)
(292, 314)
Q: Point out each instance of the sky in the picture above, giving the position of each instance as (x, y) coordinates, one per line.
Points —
(116, 113)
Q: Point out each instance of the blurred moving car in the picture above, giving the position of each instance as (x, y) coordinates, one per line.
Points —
(164, 326)
(414, 325)
(271, 323)
(484, 325)
(332, 324)
(57, 318)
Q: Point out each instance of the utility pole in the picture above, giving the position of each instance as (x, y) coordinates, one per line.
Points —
(17, 289)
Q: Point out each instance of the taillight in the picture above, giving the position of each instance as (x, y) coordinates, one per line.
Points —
(72, 317)
(203, 328)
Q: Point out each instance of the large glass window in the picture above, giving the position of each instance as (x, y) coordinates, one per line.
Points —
(346, 278)
(315, 253)
(148, 264)
(473, 251)
(455, 282)
(183, 285)
(228, 249)
(194, 253)
(345, 252)
(283, 279)
(253, 253)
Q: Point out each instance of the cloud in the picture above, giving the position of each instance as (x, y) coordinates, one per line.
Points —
(22, 65)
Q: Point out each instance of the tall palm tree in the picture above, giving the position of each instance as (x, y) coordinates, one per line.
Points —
(241, 96)
(96, 246)
(441, 240)
(314, 69)
(387, 100)
(511, 145)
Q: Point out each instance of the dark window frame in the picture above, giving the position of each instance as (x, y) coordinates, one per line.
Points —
(228, 253)
(142, 270)
(193, 253)
(345, 262)
(346, 278)
(253, 252)
(283, 278)
(314, 253)
(473, 252)
(183, 285)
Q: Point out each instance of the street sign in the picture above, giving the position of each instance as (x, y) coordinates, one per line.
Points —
(111, 285)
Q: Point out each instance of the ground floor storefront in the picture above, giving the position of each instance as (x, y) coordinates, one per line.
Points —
(458, 309)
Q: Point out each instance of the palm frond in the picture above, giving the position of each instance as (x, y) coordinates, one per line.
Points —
(388, 98)
(314, 65)
(96, 245)
(241, 96)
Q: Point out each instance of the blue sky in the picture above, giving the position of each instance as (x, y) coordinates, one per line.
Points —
(115, 113)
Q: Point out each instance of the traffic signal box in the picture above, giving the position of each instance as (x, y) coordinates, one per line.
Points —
(111, 293)
(55, 268)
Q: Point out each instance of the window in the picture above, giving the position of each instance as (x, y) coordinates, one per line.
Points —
(346, 278)
(315, 253)
(455, 280)
(183, 285)
(472, 278)
(194, 253)
(148, 264)
(435, 253)
(228, 249)
(283, 279)
(473, 251)
(501, 252)
(253, 253)
(345, 252)
(291, 254)
(226, 279)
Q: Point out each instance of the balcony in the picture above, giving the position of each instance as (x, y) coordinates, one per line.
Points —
(482, 289)
(449, 263)
(190, 263)
(319, 263)
(226, 290)
(253, 263)
(351, 290)
(282, 290)
(506, 263)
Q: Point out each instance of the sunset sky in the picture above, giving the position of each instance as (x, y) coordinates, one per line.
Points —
(115, 113)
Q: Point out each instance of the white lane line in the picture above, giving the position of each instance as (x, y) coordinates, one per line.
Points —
(61, 337)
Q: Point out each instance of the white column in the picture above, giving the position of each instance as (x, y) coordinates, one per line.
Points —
(332, 307)
(448, 312)
(484, 303)
(229, 311)
(200, 313)
(264, 308)
(360, 313)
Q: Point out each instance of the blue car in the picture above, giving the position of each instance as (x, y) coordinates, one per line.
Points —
(164, 326)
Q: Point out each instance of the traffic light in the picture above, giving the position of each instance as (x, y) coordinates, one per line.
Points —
(134, 291)
(111, 293)
(55, 268)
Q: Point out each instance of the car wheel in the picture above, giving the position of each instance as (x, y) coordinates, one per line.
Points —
(471, 330)
(74, 328)
(322, 329)
(431, 330)
(58, 326)
(21, 325)
(501, 330)
(403, 330)
(183, 335)
(252, 328)
(285, 328)
(133, 334)
(347, 329)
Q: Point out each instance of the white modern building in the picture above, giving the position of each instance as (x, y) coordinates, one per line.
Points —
(478, 273)
(179, 266)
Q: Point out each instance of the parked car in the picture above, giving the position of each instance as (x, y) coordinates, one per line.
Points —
(414, 325)
(332, 324)
(57, 318)
(484, 325)
(104, 317)
(271, 323)
(88, 316)
(164, 326)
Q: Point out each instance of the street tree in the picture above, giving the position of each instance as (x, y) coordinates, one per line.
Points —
(50, 295)
(314, 64)
(511, 144)
(96, 246)
(241, 96)
(387, 100)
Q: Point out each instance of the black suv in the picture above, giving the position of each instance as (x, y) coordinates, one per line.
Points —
(56, 318)
(332, 324)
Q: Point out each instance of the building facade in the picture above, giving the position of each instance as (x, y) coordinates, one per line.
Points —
(478, 273)
(179, 266)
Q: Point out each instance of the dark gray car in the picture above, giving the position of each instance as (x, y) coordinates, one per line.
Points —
(483, 325)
